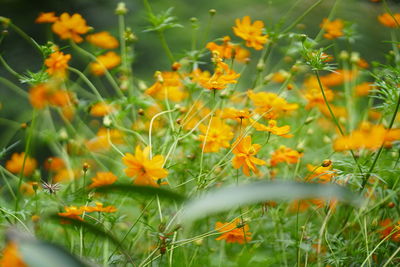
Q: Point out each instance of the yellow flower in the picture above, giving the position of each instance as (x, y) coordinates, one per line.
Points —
(11, 256)
(70, 27)
(101, 142)
(251, 33)
(107, 61)
(46, 17)
(216, 135)
(42, 95)
(387, 20)
(272, 128)
(222, 76)
(57, 63)
(16, 162)
(270, 105)
(285, 154)
(234, 232)
(364, 88)
(147, 170)
(367, 136)
(99, 208)
(168, 85)
(72, 212)
(333, 29)
(320, 174)
(245, 153)
(103, 40)
(236, 114)
(338, 77)
(228, 50)
(103, 178)
(101, 109)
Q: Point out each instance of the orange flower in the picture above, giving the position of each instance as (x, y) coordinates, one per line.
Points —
(101, 142)
(368, 136)
(320, 174)
(103, 40)
(70, 27)
(54, 164)
(333, 29)
(99, 208)
(233, 232)
(147, 170)
(11, 256)
(236, 114)
(222, 76)
(387, 20)
(16, 163)
(251, 33)
(65, 175)
(42, 95)
(107, 61)
(245, 153)
(388, 229)
(46, 17)
(216, 135)
(103, 178)
(270, 105)
(57, 63)
(197, 75)
(101, 109)
(338, 77)
(364, 88)
(168, 85)
(228, 50)
(280, 76)
(72, 212)
(197, 111)
(285, 154)
(272, 128)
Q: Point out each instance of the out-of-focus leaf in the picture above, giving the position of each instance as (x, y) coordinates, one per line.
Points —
(136, 190)
(37, 253)
(232, 197)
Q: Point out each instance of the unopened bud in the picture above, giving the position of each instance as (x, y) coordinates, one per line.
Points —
(212, 12)
(85, 167)
(326, 163)
(121, 9)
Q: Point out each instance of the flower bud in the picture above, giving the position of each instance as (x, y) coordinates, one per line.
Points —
(212, 12)
(121, 9)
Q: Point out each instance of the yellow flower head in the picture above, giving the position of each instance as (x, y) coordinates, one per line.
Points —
(216, 135)
(222, 76)
(72, 212)
(272, 128)
(236, 114)
(46, 17)
(11, 256)
(16, 163)
(320, 174)
(245, 153)
(285, 154)
(270, 105)
(387, 20)
(168, 85)
(42, 95)
(333, 29)
(70, 27)
(251, 33)
(57, 63)
(99, 208)
(107, 61)
(228, 50)
(103, 178)
(367, 136)
(147, 170)
(101, 109)
(234, 232)
(103, 40)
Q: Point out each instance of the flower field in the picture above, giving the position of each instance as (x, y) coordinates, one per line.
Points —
(265, 146)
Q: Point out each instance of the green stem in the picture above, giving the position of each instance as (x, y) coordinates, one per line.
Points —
(302, 16)
(9, 69)
(165, 46)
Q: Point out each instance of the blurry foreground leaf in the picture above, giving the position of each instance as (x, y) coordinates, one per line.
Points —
(232, 197)
(136, 190)
(37, 253)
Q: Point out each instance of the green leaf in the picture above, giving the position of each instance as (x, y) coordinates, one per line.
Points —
(36, 253)
(136, 190)
(232, 197)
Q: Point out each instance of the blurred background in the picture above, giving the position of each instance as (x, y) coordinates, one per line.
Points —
(149, 53)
